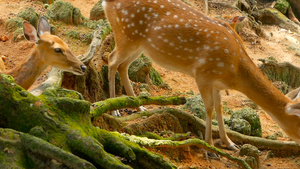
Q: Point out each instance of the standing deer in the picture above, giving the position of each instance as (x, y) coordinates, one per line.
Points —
(180, 38)
(49, 50)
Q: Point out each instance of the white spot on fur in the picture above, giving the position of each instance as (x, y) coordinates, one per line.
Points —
(220, 64)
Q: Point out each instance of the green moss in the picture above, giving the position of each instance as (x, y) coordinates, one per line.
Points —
(250, 116)
(61, 11)
(282, 6)
(14, 23)
(77, 16)
(29, 15)
(18, 35)
(155, 77)
(196, 105)
(97, 11)
(73, 34)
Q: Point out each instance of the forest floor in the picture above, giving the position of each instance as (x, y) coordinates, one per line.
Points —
(277, 46)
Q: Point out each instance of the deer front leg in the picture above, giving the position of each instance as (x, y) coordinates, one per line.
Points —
(123, 71)
(219, 111)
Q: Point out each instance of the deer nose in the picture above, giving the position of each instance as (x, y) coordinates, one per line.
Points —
(83, 68)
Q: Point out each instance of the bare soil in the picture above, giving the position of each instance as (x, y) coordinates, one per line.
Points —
(278, 46)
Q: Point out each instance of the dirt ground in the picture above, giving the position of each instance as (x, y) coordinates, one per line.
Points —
(278, 46)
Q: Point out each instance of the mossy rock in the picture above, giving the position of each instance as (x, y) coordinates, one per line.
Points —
(282, 6)
(250, 116)
(18, 35)
(196, 105)
(14, 23)
(29, 15)
(61, 11)
(77, 16)
(97, 11)
(139, 70)
(155, 77)
(249, 150)
(240, 125)
(285, 72)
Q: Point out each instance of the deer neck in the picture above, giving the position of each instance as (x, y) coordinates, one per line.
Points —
(29, 70)
(258, 88)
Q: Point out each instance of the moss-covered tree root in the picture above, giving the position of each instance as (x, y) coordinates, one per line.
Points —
(279, 148)
(61, 120)
(132, 102)
(176, 144)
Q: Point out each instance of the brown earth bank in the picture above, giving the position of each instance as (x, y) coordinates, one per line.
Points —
(258, 48)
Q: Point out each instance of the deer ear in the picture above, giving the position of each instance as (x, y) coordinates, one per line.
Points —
(240, 19)
(294, 94)
(234, 19)
(30, 32)
(293, 109)
(44, 26)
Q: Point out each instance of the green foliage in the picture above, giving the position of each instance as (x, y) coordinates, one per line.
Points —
(14, 23)
(282, 6)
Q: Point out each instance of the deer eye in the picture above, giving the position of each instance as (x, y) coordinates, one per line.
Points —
(58, 50)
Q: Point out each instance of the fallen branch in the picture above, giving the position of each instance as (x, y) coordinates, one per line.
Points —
(132, 102)
(176, 144)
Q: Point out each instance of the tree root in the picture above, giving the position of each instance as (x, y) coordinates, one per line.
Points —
(132, 102)
(41, 147)
(190, 142)
(195, 124)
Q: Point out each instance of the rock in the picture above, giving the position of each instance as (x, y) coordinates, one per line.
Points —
(285, 72)
(282, 6)
(251, 117)
(196, 105)
(252, 154)
(18, 35)
(97, 11)
(272, 16)
(14, 23)
(249, 150)
(29, 15)
(61, 11)
(252, 162)
(141, 70)
(240, 125)
(77, 16)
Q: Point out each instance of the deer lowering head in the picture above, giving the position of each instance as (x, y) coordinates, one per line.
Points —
(180, 38)
(49, 50)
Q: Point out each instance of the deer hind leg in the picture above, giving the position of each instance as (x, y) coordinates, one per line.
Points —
(219, 111)
(207, 97)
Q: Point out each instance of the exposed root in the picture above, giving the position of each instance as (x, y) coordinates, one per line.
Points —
(196, 124)
(190, 142)
(132, 102)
